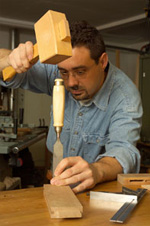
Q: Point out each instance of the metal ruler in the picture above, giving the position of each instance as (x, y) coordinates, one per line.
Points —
(130, 198)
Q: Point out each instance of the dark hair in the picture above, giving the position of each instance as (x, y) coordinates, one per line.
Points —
(83, 34)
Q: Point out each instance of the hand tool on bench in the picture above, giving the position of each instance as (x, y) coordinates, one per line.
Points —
(53, 41)
(129, 197)
(58, 115)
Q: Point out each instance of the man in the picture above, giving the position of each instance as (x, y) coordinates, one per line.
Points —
(102, 109)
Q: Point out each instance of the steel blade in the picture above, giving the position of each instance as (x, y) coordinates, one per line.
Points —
(57, 154)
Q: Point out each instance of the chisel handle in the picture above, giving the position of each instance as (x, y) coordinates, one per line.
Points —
(9, 71)
(58, 104)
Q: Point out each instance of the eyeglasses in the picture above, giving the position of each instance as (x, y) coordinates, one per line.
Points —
(77, 72)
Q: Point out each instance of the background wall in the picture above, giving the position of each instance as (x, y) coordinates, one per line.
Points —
(4, 34)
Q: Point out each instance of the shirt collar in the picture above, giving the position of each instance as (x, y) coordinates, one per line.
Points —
(101, 99)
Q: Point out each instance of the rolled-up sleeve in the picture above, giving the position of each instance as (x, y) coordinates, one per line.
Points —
(124, 132)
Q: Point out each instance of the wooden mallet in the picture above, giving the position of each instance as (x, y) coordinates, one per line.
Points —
(53, 41)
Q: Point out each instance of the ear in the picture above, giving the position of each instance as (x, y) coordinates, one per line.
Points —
(103, 60)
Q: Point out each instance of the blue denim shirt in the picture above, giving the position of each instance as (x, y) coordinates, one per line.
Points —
(107, 126)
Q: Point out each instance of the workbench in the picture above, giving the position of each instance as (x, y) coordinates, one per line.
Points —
(26, 138)
(26, 207)
(23, 141)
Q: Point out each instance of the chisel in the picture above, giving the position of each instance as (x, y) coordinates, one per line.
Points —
(58, 115)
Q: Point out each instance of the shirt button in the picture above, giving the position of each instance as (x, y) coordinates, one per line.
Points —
(73, 149)
(98, 140)
(80, 113)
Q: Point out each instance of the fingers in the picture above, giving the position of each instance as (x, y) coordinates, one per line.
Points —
(79, 174)
(29, 50)
(80, 182)
(73, 179)
(66, 163)
(70, 166)
(86, 184)
(19, 58)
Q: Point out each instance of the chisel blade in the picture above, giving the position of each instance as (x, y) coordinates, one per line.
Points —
(57, 154)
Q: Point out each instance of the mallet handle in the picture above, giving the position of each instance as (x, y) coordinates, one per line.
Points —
(9, 72)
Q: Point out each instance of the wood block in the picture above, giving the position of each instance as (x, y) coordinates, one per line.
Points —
(134, 179)
(146, 186)
(21, 131)
(62, 202)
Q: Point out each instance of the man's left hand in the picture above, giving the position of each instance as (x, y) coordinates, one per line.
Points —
(75, 170)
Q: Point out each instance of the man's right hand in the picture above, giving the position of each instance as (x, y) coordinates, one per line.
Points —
(20, 57)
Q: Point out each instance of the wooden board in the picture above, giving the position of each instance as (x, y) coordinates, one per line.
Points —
(134, 179)
(62, 202)
(146, 186)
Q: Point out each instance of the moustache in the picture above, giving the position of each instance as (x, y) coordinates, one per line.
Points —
(76, 87)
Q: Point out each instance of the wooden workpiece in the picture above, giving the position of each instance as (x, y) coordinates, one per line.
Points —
(62, 202)
(146, 186)
(134, 179)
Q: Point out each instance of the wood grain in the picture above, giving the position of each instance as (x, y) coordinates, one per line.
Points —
(146, 186)
(52, 35)
(134, 179)
(62, 202)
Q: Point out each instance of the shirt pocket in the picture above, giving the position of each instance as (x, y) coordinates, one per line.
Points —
(94, 145)
(66, 127)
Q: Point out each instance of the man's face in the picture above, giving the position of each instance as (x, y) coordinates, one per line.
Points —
(82, 76)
